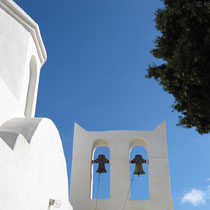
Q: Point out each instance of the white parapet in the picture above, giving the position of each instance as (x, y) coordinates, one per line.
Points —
(120, 144)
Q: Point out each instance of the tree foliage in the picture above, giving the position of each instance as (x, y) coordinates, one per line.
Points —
(184, 45)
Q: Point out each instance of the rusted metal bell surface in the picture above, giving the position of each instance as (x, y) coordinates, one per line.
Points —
(138, 169)
(101, 160)
(101, 168)
(138, 160)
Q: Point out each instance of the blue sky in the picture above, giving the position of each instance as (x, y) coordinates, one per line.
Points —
(98, 52)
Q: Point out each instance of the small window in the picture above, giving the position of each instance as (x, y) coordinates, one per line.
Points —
(101, 183)
(140, 185)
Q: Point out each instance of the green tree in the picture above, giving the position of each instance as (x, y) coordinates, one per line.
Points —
(184, 46)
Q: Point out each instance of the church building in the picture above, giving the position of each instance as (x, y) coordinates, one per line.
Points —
(33, 166)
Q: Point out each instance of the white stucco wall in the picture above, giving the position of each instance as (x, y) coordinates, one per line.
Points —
(120, 144)
(33, 166)
(19, 44)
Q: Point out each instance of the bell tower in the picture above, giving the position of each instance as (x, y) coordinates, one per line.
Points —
(120, 144)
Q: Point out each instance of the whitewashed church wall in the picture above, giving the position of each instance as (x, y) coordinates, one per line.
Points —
(14, 42)
(18, 44)
(33, 166)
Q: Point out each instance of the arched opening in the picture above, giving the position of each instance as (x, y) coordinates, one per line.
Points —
(100, 181)
(31, 87)
(140, 185)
